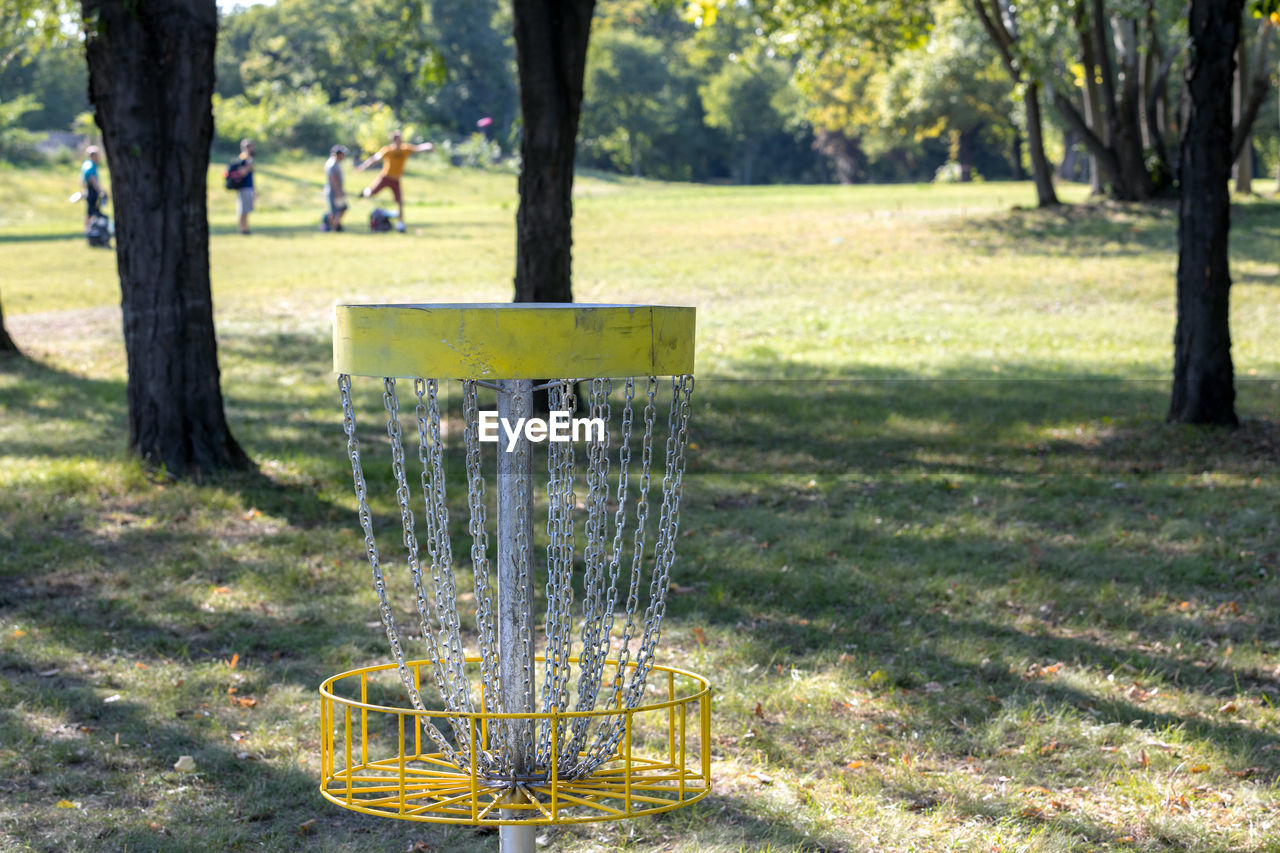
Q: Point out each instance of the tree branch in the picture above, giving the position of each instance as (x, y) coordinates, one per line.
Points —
(1105, 157)
(1258, 85)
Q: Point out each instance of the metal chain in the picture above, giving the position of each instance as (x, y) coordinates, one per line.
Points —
(664, 557)
(379, 582)
(486, 627)
(559, 589)
(524, 562)
(430, 454)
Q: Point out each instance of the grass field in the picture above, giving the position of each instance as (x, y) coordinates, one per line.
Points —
(957, 584)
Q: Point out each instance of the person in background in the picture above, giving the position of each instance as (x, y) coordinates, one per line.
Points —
(94, 194)
(334, 193)
(393, 157)
(246, 195)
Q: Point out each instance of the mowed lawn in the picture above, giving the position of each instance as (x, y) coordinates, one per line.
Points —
(957, 585)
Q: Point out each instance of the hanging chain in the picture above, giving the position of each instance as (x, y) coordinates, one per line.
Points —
(560, 548)
(486, 627)
(379, 582)
(602, 556)
(456, 690)
(664, 555)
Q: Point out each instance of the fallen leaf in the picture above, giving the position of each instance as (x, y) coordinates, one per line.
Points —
(221, 589)
(66, 804)
(251, 514)
(1246, 773)
(854, 765)
(1197, 768)
(1143, 760)
(18, 632)
(235, 659)
(759, 710)
(244, 701)
(702, 638)
(306, 826)
(1229, 708)
(239, 736)
(185, 764)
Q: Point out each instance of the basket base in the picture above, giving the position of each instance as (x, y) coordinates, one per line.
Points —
(429, 789)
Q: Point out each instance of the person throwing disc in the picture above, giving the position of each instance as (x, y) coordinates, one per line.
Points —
(393, 157)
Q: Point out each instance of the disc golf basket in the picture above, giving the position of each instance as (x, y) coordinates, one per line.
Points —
(559, 713)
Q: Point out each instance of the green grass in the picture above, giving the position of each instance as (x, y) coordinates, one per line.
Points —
(957, 584)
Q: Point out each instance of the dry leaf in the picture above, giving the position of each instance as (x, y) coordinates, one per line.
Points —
(244, 701)
(1143, 760)
(221, 589)
(1197, 768)
(759, 710)
(235, 659)
(1229, 708)
(66, 804)
(854, 765)
(185, 764)
(1246, 773)
(306, 826)
(702, 638)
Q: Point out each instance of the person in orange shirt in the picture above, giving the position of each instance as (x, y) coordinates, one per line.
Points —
(393, 157)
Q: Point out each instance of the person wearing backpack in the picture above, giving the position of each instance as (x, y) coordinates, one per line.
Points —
(94, 194)
(240, 178)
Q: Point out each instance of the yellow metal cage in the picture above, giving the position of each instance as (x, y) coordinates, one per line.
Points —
(373, 758)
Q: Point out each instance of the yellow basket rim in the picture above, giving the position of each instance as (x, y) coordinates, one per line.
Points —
(326, 690)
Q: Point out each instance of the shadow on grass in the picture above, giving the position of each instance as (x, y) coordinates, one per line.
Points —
(948, 530)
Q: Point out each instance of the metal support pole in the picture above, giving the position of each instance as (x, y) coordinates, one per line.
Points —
(515, 610)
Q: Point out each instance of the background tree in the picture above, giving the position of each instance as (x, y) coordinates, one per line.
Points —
(551, 54)
(1203, 377)
(750, 100)
(631, 96)
(151, 65)
(1122, 115)
(1001, 22)
(1249, 88)
(951, 86)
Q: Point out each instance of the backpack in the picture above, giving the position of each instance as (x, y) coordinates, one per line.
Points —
(98, 231)
(232, 177)
(380, 220)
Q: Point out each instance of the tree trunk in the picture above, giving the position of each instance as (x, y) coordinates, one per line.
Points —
(963, 151)
(7, 346)
(1040, 169)
(1203, 379)
(551, 55)
(151, 82)
(996, 22)
(1242, 170)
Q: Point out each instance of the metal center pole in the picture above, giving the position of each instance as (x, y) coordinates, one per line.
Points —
(515, 596)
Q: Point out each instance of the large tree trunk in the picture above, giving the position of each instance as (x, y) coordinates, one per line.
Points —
(551, 54)
(151, 82)
(7, 346)
(1203, 379)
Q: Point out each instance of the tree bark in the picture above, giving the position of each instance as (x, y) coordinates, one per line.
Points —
(151, 82)
(1203, 375)
(1242, 169)
(7, 346)
(551, 55)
